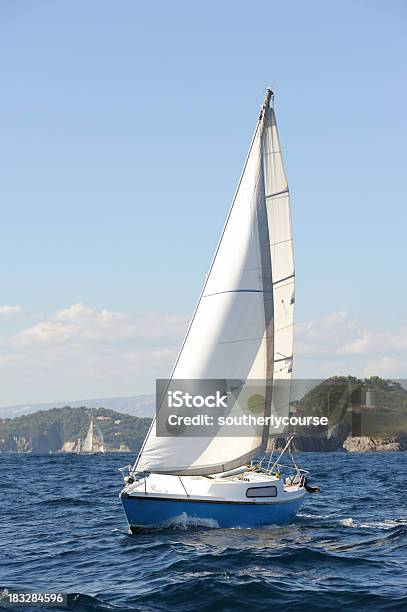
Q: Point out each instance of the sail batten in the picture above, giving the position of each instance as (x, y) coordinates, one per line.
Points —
(240, 306)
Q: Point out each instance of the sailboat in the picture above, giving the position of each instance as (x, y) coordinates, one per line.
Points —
(242, 329)
(93, 443)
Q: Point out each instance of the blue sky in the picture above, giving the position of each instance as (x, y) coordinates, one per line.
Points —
(123, 131)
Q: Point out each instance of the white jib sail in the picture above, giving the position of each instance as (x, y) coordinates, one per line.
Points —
(242, 327)
(282, 257)
(87, 446)
(93, 443)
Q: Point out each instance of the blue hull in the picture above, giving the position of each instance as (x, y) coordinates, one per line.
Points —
(143, 512)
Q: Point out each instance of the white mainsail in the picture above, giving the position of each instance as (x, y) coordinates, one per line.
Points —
(242, 328)
(93, 443)
(87, 446)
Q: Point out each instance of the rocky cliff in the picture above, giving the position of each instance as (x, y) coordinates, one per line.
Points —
(364, 444)
(374, 407)
(341, 441)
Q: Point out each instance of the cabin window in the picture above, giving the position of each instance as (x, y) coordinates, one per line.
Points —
(261, 492)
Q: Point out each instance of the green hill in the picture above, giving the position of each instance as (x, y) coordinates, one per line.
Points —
(58, 430)
(384, 412)
(339, 397)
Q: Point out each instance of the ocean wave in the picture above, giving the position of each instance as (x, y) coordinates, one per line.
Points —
(386, 524)
(69, 534)
(65, 502)
(217, 593)
(87, 603)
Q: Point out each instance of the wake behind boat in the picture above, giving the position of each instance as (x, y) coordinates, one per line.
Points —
(242, 330)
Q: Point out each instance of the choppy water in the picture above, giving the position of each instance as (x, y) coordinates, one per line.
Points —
(62, 529)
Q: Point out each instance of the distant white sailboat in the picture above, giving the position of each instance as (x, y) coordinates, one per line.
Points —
(94, 442)
(242, 329)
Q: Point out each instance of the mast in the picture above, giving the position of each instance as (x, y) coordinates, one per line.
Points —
(91, 433)
(269, 97)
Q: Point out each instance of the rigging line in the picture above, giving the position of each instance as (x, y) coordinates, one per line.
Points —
(281, 242)
(283, 328)
(282, 453)
(282, 359)
(275, 152)
(239, 291)
(290, 452)
(259, 125)
(272, 452)
(282, 355)
(278, 193)
(280, 409)
(183, 486)
(238, 340)
(281, 280)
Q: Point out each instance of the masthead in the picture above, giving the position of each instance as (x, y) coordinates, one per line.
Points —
(269, 96)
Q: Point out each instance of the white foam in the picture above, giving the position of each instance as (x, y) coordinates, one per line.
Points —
(386, 524)
(184, 520)
(314, 516)
(348, 522)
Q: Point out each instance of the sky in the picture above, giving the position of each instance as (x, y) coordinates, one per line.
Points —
(124, 127)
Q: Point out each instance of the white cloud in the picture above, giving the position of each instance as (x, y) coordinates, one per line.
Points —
(83, 352)
(385, 367)
(399, 340)
(323, 336)
(10, 310)
(357, 346)
(81, 324)
(368, 342)
(337, 344)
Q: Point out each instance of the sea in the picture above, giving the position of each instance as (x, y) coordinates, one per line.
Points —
(62, 529)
